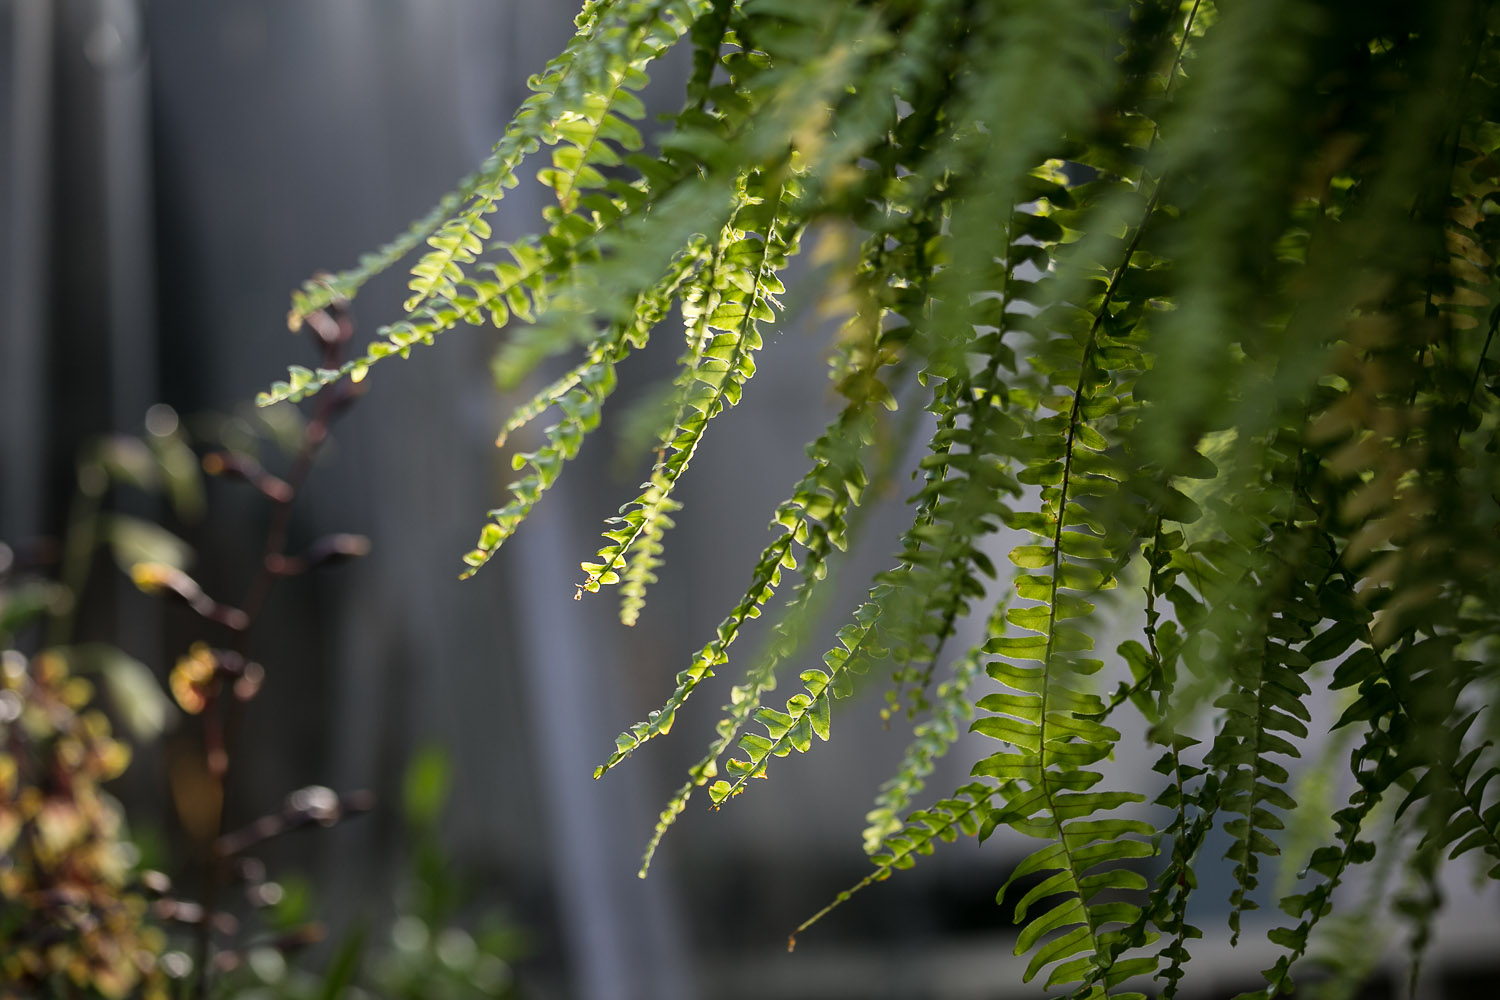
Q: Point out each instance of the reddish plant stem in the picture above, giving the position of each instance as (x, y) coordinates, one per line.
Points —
(221, 721)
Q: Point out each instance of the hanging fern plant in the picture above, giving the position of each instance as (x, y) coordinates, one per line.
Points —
(1199, 295)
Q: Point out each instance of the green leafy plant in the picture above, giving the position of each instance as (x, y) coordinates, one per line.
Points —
(427, 951)
(75, 906)
(79, 916)
(1197, 296)
(73, 917)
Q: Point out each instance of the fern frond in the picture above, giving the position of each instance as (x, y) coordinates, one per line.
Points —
(581, 404)
(817, 518)
(699, 190)
(745, 701)
(1046, 719)
(517, 287)
(809, 711)
(456, 237)
(719, 366)
(1154, 667)
(1330, 862)
(961, 501)
(1351, 946)
(960, 813)
(814, 517)
(576, 100)
(931, 739)
(323, 290)
(1044, 715)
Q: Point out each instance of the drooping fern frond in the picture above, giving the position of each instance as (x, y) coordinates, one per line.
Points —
(952, 707)
(1195, 295)
(578, 102)
(720, 362)
(1044, 715)
(1264, 706)
(580, 398)
(962, 813)
(816, 518)
(476, 194)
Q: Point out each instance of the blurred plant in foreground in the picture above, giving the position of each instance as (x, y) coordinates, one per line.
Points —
(426, 953)
(76, 919)
(75, 913)
(72, 916)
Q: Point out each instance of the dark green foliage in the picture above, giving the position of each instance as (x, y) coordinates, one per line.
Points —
(1198, 296)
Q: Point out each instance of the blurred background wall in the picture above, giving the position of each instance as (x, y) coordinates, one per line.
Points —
(172, 169)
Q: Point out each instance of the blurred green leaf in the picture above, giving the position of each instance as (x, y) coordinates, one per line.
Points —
(137, 696)
(429, 777)
(22, 604)
(181, 474)
(130, 462)
(133, 541)
(295, 906)
(344, 967)
(283, 425)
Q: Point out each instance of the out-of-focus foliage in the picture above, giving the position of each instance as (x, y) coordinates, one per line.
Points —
(71, 920)
(425, 952)
(1198, 295)
(75, 915)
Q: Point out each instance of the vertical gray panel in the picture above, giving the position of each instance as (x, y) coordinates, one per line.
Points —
(26, 244)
